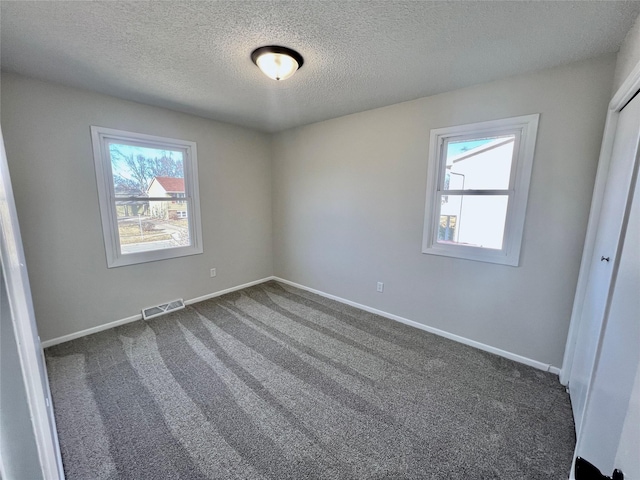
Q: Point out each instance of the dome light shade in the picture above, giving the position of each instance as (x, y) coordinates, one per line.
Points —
(277, 62)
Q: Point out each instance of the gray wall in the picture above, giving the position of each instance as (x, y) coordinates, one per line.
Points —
(349, 206)
(628, 56)
(48, 143)
(18, 448)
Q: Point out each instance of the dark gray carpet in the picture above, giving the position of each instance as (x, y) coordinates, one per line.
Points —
(277, 383)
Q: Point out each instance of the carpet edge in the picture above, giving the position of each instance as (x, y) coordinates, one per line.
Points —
(436, 331)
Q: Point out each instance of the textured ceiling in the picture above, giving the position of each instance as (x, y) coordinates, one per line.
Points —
(194, 56)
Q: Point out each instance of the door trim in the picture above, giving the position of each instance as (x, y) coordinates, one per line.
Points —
(28, 342)
(624, 94)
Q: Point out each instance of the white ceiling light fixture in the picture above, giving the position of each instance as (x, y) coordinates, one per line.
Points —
(277, 62)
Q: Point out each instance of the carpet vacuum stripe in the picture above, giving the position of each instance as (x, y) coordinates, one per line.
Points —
(272, 382)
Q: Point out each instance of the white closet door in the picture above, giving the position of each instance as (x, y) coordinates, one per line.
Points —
(615, 207)
(610, 436)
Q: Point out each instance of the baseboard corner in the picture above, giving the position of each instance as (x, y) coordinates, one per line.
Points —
(436, 331)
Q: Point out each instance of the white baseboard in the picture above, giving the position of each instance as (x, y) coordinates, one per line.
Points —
(89, 331)
(228, 290)
(107, 326)
(391, 316)
(457, 338)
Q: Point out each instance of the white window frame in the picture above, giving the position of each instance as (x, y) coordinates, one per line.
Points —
(104, 176)
(525, 129)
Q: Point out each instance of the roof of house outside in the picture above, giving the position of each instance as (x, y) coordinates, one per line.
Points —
(171, 184)
(481, 149)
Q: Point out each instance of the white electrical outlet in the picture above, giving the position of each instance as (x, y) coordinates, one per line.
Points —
(380, 287)
(213, 272)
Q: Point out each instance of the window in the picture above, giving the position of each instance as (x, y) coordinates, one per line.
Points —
(139, 177)
(477, 188)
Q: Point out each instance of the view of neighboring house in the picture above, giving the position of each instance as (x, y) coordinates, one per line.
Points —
(477, 220)
(167, 187)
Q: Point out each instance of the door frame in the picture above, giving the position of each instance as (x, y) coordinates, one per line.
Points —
(624, 94)
(25, 330)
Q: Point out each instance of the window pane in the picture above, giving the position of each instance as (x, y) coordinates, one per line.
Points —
(150, 172)
(472, 220)
(479, 164)
(135, 168)
(447, 228)
(145, 226)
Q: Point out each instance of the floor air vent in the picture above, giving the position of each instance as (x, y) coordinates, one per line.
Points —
(158, 310)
